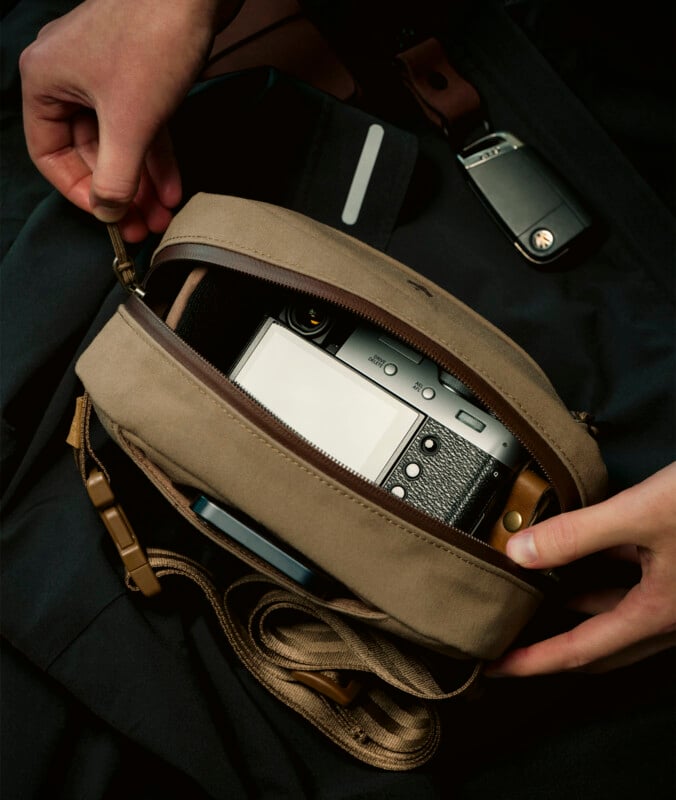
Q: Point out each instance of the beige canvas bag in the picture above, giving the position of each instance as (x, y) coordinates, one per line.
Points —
(415, 597)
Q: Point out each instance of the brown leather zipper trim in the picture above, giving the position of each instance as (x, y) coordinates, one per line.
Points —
(207, 374)
(549, 460)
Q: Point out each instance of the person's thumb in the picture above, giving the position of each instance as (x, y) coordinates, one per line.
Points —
(644, 515)
(117, 173)
(566, 537)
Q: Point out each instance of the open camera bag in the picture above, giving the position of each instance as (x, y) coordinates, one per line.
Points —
(93, 669)
(412, 578)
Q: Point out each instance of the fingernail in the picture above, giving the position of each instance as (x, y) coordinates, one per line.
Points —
(108, 213)
(521, 548)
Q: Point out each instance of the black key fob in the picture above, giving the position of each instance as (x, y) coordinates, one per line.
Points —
(533, 205)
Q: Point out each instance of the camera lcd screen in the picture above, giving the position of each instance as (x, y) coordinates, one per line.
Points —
(349, 418)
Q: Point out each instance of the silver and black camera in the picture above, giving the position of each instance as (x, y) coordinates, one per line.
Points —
(382, 410)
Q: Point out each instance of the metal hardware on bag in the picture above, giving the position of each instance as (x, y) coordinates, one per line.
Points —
(122, 533)
(588, 420)
(123, 266)
(343, 695)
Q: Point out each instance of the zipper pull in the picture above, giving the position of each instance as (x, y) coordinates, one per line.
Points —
(123, 266)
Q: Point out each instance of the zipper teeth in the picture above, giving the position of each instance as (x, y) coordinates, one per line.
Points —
(279, 423)
(374, 320)
(321, 291)
(378, 322)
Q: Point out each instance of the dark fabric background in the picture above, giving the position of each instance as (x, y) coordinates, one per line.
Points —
(107, 695)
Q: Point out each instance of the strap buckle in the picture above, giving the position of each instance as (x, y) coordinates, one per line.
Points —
(322, 683)
(122, 533)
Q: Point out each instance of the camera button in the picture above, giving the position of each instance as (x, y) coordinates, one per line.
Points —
(390, 369)
(412, 470)
(428, 393)
(429, 444)
(471, 421)
(398, 491)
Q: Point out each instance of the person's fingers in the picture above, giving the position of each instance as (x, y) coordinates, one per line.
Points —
(524, 663)
(566, 537)
(633, 622)
(130, 67)
(155, 214)
(645, 514)
(49, 138)
(163, 170)
(123, 141)
(597, 602)
(637, 651)
(132, 226)
(625, 552)
(48, 131)
(71, 165)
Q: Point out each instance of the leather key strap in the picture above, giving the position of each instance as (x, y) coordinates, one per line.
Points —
(445, 97)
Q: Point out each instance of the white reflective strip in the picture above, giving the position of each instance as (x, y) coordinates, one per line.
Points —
(362, 175)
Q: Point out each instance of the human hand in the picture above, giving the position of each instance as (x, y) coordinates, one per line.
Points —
(624, 626)
(98, 86)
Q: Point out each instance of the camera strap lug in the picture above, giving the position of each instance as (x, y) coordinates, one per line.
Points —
(528, 501)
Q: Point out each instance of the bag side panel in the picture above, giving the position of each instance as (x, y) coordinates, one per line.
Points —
(449, 596)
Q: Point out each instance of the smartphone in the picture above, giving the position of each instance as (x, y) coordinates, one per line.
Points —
(541, 214)
(250, 535)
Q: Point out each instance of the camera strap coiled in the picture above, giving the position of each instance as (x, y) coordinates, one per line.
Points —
(368, 695)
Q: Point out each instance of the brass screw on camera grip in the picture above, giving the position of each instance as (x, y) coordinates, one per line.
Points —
(512, 521)
(527, 502)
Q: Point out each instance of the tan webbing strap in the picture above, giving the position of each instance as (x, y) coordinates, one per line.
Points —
(367, 694)
(362, 691)
(79, 438)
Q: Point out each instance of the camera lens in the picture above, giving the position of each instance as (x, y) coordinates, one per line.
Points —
(309, 320)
